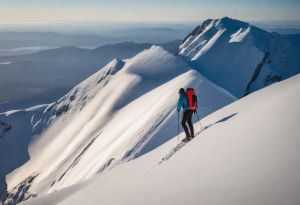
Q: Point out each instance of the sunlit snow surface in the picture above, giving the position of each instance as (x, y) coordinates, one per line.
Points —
(247, 153)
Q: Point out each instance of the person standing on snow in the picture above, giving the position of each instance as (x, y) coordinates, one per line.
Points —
(188, 102)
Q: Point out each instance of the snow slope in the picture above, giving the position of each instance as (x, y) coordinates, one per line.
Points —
(247, 154)
(240, 57)
(123, 111)
(17, 127)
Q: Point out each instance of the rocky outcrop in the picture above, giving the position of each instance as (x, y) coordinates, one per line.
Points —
(4, 128)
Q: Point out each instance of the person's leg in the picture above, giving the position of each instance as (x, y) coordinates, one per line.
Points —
(183, 123)
(190, 123)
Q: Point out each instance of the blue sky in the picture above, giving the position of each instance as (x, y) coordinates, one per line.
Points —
(146, 10)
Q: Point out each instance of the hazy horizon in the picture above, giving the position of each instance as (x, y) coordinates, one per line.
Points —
(168, 11)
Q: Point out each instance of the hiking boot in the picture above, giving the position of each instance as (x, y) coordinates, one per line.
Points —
(186, 139)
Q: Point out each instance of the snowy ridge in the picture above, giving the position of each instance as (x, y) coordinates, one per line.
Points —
(229, 162)
(123, 111)
(240, 57)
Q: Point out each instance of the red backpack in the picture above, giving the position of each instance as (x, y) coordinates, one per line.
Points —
(192, 98)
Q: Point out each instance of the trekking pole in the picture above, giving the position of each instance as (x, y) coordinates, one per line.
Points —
(178, 127)
(199, 120)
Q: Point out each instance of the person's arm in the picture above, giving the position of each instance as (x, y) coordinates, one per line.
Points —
(179, 104)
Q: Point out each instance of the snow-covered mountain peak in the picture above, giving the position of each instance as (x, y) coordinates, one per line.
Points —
(230, 23)
(116, 64)
(238, 56)
(154, 62)
(224, 23)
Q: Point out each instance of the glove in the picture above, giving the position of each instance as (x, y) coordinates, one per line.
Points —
(195, 111)
(178, 110)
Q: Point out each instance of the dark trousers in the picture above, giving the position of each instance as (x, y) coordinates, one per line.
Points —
(187, 118)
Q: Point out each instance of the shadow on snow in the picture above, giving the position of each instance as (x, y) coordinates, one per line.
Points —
(181, 144)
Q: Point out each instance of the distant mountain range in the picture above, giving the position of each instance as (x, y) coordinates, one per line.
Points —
(90, 38)
(48, 74)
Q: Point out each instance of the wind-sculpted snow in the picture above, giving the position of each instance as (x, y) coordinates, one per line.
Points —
(239, 35)
(120, 113)
(228, 52)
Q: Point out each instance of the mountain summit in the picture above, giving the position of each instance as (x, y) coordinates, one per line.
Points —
(238, 56)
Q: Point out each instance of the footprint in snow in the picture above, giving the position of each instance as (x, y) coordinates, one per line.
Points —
(172, 152)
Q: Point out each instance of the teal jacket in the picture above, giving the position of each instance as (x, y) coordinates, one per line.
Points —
(183, 102)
